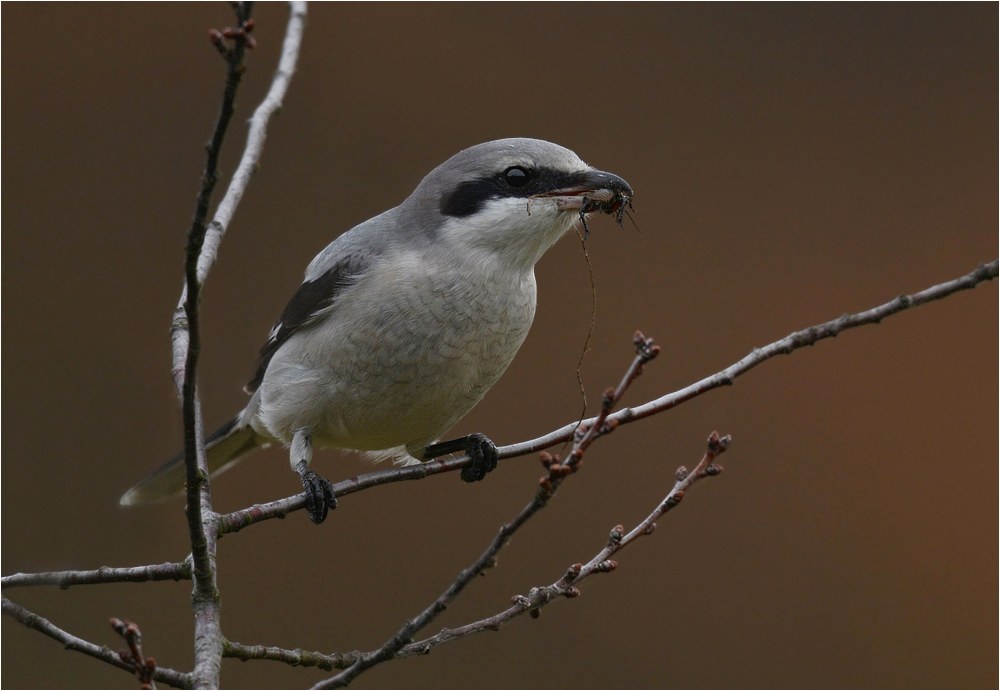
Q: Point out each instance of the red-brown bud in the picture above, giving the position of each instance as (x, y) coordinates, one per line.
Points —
(617, 533)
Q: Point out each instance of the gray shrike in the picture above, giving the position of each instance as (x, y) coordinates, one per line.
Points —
(404, 322)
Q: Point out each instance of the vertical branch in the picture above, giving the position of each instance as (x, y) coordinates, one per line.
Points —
(187, 346)
(202, 248)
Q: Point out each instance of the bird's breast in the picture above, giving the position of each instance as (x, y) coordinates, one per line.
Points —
(412, 348)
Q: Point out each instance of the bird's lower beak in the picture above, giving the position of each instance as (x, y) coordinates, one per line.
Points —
(596, 191)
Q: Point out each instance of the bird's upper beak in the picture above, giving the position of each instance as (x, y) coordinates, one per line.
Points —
(596, 191)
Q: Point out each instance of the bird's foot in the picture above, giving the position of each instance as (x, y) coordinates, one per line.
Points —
(477, 447)
(483, 453)
(319, 495)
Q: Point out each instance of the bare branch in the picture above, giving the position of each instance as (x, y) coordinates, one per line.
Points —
(296, 658)
(103, 653)
(233, 522)
(202, 249)
(537, 597)
(186, 338)
(799, 339)
(249, 162)
(170, 571)
(567, 585)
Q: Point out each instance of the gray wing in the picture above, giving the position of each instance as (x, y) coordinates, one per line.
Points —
(307, 305)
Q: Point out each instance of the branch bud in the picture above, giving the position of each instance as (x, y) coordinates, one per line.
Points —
(682, 473)
(617, 533)
(572, 592)
(572, 572)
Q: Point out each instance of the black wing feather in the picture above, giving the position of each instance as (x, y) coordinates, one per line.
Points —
(309, 301)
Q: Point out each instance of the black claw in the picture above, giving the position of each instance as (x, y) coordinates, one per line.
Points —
(483, 453)
(477, 446)
(319, 496)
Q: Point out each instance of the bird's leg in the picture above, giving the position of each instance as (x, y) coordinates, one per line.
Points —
(477, 446)
(319, 491)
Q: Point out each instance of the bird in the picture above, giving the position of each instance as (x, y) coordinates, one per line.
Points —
(403, 323)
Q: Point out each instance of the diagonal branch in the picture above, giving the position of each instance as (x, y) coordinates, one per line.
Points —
(103, 653)
(233, 522)
(248, 165)
(536, 598)
(567, 585)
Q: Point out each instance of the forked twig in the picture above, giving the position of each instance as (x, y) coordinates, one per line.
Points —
(180, 680)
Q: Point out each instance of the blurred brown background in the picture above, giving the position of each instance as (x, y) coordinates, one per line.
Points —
(790, 164)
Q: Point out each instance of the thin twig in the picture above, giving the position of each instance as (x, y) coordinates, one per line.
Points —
(103, 653)
(233, 522)
(144, 666)
(170, 571)
(248, 165)
(536, 598)
(557, 473)
(792, 342)
(567, 585)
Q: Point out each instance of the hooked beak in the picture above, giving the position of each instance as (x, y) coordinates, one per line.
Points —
(596, 191)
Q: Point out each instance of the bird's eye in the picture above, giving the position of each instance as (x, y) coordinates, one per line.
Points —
(516, 176)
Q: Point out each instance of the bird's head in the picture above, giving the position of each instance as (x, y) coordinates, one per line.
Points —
(515, 197)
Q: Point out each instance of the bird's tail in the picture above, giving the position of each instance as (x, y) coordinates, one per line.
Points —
(223, 448)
